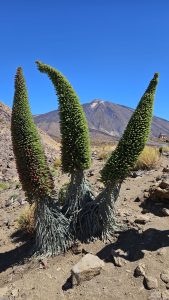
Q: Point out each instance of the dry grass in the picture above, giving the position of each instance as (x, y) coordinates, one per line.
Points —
(26, 221)
(165, 148)
(57, 163)
(103, 152)
(148, 159)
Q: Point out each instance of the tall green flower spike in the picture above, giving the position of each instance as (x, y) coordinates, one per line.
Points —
(133, 140)
(75, 147)
(31, 162)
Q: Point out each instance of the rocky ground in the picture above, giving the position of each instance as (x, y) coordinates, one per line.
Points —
(136, 259)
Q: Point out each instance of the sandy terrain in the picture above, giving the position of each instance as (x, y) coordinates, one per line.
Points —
(24, 277)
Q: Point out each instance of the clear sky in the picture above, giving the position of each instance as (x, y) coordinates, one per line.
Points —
(108, 49)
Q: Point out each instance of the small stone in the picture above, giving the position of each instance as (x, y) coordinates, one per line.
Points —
(15, 292)
(142, 220)
(164, 184)
(165, 295)
(144, 211)
(140, 270)
(165, 211)
(146, 195)
(151, 283)
(158, 178)
(137, 199)
(165, 276)
(90, 173)
(155, 295)
(9, 202)
(3, 291)
(21, 201)
(162, 251)
(43, 263)
(89, 266)
(117, 259)
(166, 170)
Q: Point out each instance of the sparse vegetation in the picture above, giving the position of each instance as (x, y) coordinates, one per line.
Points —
(165, 149)
(57, 163)
(104, 152)
(4, 186)
(148, 159)
(26, 221)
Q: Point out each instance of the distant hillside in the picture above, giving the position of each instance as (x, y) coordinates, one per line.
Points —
(7, 161)
(105, 120)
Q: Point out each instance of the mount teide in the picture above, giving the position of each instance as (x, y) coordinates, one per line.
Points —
(105, 120)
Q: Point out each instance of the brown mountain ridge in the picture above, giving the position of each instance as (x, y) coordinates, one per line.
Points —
(105, 120)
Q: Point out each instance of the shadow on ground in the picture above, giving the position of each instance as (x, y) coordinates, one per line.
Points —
(154, 207)
(16, 256)
(133, 242)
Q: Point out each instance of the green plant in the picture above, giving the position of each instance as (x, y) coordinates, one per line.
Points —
(98, 218)
(133, 140)
(52, 234)
(13, 196)
(31, 162)
(80, 217)
(4, 186)
(75, 146)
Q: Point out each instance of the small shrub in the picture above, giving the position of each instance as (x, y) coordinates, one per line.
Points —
(14, 196)
(53, 171)
(26, 221)
(148, 159)
(3, 186)
(57, 163)
(165, 148)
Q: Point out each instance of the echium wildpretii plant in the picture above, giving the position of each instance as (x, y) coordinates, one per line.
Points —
(31, 162)
(84, 218)
(52, 228)
(98, 218)
(133, 140)
(75, 145)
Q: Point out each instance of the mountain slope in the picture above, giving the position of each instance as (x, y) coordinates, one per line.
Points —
(104, 118)
(7, 161)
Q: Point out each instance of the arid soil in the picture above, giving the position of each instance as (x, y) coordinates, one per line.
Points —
(144, 240)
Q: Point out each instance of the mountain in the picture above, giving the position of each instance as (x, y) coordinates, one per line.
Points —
(105, 120)
(7, 162)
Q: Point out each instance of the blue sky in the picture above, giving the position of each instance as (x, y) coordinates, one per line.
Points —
(108, 49)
